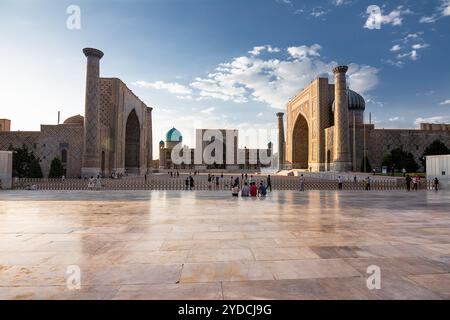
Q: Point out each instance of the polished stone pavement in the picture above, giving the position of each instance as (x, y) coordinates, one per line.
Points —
(208, 245)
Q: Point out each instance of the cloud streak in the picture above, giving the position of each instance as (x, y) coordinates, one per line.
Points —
(273, 79)
(171, 87)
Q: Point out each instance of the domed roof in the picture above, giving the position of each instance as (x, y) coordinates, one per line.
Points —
(77, 120)
(173, 135)
(355, 101)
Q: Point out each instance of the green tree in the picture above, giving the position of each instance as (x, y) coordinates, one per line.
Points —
(25, 163)
(368, 166)
(387, 161)
(435, 148)
(35, 169)
(56, 169)
(399, 159)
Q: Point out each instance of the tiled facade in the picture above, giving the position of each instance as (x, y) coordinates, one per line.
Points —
(321, 136)
(381, 141)
(242, 159)
(99, 142)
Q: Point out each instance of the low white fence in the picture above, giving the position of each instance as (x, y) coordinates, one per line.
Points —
(201, 183)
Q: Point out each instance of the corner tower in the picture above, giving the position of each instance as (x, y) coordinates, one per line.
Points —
(91, 165)
(341, 155)
(280, 125)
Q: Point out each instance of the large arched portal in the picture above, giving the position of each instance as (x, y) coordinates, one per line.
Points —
(132, 143)
(300, 141)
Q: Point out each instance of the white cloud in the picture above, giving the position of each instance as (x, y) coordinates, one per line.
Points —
(318, 12)
(171, 87)
(208, 110)
(362, 78)
(420, 46)
(396, 47)
(289, 2)
(188, 97)
(274, 81)
(435, 119)
(410, 36)
(339, 2)
(413, 55)
(270, 80)
(302, 52)
(394, 119)
(256, 51)
(377, 19)
(443, 103)
(442, 11)
(445, 8)
(429, 19)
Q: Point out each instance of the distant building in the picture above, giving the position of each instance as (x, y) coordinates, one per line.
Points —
(439, 167)
(114, 136)
(5, 125)
(230, 158)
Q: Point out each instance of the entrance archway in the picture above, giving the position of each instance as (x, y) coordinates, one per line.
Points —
(103, 162)
(132, 143)
(328, 160)
(300, 140)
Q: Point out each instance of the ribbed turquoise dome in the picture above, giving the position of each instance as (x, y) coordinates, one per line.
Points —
(173, 135)
(355, 101)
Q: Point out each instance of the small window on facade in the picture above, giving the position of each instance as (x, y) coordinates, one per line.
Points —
(64, 156)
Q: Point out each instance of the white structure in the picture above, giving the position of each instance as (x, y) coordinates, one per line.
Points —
(5, 169)
(439, 167)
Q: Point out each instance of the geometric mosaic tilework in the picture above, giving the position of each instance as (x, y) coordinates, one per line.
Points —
(382, 141)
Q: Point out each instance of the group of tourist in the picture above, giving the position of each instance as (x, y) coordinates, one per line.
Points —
(249, 190)
(415, 181)
(116, 175)
(189, 183)
(366, 181)
(247, 186)
(436, 184)
(95, 183)
(176, 174)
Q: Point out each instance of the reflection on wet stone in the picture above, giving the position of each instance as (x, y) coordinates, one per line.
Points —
(203, 245)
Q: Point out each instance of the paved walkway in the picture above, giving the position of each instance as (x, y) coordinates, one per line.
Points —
(207, 245)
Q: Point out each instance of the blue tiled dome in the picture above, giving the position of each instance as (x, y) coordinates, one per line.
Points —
(355, 101)
(173, 135)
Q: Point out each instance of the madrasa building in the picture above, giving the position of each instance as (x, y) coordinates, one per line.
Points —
(229, 156)
(325, 130)
(114, 136)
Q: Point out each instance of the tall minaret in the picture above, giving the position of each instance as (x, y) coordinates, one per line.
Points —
(91, 151)
(341, 155)
(280, 126)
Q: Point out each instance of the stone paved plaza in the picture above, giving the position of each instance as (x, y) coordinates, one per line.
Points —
(208, 245)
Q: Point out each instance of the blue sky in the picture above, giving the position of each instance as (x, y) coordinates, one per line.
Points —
(225, 63)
